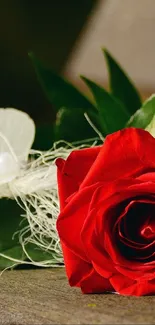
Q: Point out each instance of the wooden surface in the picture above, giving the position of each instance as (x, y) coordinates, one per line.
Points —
(44, 297)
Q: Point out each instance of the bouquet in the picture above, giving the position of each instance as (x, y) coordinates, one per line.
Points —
(88, 202)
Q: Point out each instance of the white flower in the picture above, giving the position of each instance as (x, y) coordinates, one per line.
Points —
(17, 132)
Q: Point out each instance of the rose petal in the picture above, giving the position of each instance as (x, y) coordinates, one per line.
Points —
(72, 171)
(98, 256)
(121, 282)
(76, 268)
(126, 286)
(147, 177)
(95, 283)
(124, 153)
(71, 219)
(144, 272)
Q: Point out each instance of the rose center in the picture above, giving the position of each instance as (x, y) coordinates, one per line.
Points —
(148, 231)
(136, 230)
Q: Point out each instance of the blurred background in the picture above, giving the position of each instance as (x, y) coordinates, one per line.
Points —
(68, 36)
(49, 29)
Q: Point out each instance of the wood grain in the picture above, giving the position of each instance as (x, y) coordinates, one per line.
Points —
(44, 297)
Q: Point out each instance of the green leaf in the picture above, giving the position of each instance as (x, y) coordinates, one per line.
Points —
(144, 115)
(15, 252)
(59, 91)
(38, 254)
(94, 120)
(11, 222)
(151, 127)
(121, 86)
(71, 125)
(10, 219)
(113, 115)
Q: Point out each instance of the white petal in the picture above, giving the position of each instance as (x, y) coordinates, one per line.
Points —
(9, 168)
(19, 130)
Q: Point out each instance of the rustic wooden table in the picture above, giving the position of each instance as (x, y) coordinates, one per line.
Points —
(44, 297)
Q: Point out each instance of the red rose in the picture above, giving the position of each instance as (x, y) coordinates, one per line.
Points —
(107, 219)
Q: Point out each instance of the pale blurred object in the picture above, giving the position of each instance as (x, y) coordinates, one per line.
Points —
(126, 28)
(17, 131)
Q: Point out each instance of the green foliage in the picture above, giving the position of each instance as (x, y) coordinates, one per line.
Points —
(121, 86)
(112, 113)
(77, 126)
(151, 127)
(38, 254)
(70, 124)
(144, 115)
(10, 223)
(10, 219)
(59, 91)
